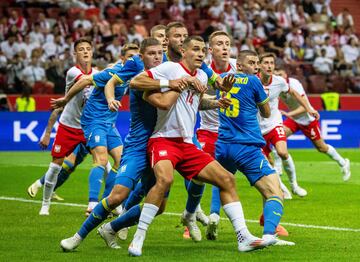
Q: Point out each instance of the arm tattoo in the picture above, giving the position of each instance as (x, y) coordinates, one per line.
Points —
(207, 104)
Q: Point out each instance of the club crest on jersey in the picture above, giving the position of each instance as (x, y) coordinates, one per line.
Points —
(123, 169)
(97, 139)
(57, 148)
(163, 153)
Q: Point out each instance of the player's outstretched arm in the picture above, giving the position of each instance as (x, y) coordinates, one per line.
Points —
(163, 101)
(109, 91)
(210, 102)
(45, 139)
(83, 82)
(265, 110)
(305, 103)
(224, 84)
(294, 113)
(144, 82)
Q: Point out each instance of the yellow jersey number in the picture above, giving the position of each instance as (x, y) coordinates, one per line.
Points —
(234, 109)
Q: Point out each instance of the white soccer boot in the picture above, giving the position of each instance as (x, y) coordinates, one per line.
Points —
(44, 211)
(71, 243)
(297, 190)
(123, 233)
(33, 189)
(345, 169)
(249, 242)
(194, 230)
(135, 247)
(280, 242)
(269, 240)
(109, 237)
(212, 228)
(201, 217)
(286, 191)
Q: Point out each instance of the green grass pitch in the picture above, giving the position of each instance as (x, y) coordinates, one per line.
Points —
(325, 225)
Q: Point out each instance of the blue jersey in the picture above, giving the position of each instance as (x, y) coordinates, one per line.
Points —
(96, 109)
(238, 123)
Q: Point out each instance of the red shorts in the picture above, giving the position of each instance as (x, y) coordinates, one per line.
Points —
(274, 136)
(66, 139)
(207, 140)
(311, 131)
(186, 158)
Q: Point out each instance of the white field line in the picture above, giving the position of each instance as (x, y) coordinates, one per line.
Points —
(330, 228)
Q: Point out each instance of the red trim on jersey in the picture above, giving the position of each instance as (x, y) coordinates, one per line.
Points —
(149, 74)
(187, 70)
(78, 77)
(213, 67)
(78, 67)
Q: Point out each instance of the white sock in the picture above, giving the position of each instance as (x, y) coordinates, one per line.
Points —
(92, 205)
(189, 216)
(38, 183)
(335, 155)
(235, 213)
(148, 213)
(50, 182)
(109, 228)
(198, 208)
(289, 167)
(77, 236)
(277, 163)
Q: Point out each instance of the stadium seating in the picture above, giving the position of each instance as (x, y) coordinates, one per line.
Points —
(317, 84)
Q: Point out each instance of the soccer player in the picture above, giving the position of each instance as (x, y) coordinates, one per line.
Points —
(134, 160)
(69, 133)
(299, 119)
(170, 147)
(272, 127)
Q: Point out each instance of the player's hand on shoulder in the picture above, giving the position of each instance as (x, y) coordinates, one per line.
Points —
(196, 84)
(44, 141)
(58, 102)
(114, 105)
(224, 102)
(178, 84)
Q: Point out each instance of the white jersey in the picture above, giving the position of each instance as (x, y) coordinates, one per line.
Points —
(73, 109)
(304, 118)
(210, 118)
(179, 120)
(277, 86)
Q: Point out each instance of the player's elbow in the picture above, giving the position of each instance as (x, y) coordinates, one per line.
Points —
(132, 83)
(164, 106)
(265, 110)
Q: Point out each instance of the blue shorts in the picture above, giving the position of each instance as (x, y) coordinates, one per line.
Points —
(102, 135)
(247, 159)
(134, 165)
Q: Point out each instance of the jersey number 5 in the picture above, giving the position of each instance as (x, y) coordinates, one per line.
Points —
(234, 109)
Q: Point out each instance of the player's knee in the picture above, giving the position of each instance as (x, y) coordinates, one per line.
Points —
(164, 181)
(227, 181)
(283, 154)
(117, 196)
(322, 148)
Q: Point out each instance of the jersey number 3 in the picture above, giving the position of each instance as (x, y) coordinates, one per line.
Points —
(234, 109)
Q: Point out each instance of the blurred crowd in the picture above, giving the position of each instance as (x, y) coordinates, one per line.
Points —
(36, 36)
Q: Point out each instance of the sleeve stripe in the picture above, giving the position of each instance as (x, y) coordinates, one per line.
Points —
(263, 102)
(117, 78)
(149, 73)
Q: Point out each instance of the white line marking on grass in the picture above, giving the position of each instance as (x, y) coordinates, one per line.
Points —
(330, 228)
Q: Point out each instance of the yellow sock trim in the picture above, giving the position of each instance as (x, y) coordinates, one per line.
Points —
(103, 202)
(275, 199)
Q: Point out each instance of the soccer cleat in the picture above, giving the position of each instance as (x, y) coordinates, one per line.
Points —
(299, 191)
(194, 230)
(70, 244)
(33, 189)
(123, 233)
(186, 234)
(250, 243)
(280, 242)
(345, 169)
(108, 236)
(55, 196)
(269, 240)
(135, 247)
(44, 211)
(212, 228)
(202, 218)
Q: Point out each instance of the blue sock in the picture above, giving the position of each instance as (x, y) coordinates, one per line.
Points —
(98, 215)
(195, 192)
(42, 180)
(186, 183)
(110, 181)
(128, 219)
(95, 180)
(215, 200)
(66, 170)
(273, 210)
(135, 196)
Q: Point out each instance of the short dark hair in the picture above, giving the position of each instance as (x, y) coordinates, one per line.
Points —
(217, 33)
(265, 55)
(245, 53)
(157, 28)
(82, 40)
(191, 38)
(150, 41)
(173, 25)
(128, 47)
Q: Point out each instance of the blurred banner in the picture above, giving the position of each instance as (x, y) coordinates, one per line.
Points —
(22, 131)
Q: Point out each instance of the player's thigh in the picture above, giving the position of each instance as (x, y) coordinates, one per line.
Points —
(164, 170)
(281, 149)
(269, 186)
(100, 155)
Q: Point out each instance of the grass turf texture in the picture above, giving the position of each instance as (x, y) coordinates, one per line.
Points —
(330, 202)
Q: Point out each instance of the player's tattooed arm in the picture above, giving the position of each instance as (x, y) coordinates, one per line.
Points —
(210, 102)
(144, 82)
(83, 82)
(109, 91)
(163, 101)
(45, 139)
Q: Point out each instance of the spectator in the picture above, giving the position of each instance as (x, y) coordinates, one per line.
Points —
(330, 50)
(356, 67)
(351, 52)
(277, 42)
(28, 46)
(140, 27)
(216, 8)
(54, 73)
(103, 25)
(25, 103)
(176, 11)
(18, 21)
(322, 64)
(36, 35)
(54, 48)
(44, 23)
(9, 47)
(4, 105)
(345, 37)
(283, 19)
(132, 35)
(345, 19)
(296, 35)
(293, 53)
(13, 72)
(114, 48)
(86, 24)
(243, 27)
(3, 28)
(308, 7)
(309, 50)
(248, 44)
(63, 24)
